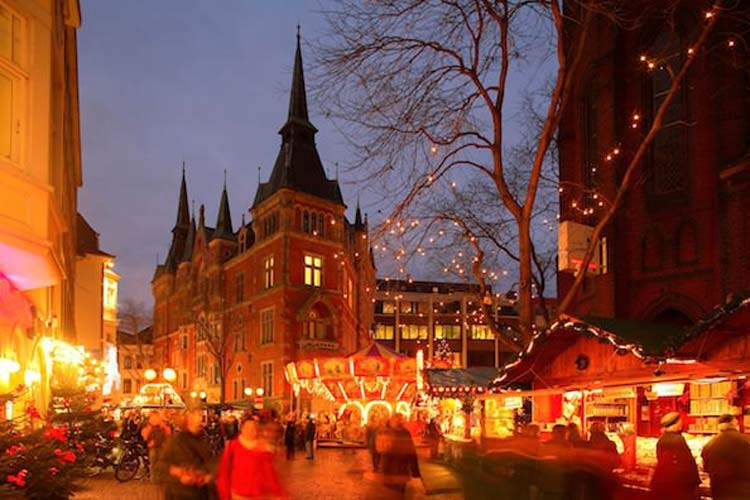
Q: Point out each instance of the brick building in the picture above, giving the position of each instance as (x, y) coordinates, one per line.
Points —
(411, 315)
(295, 281)
(680, 242)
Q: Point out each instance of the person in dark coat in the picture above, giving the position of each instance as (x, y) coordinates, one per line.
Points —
(726, 458)
(187, 461)
(371, 433)
(399, 461)
(676, 475)
(310, 437)
(290, 436)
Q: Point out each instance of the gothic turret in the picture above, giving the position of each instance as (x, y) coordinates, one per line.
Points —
(298, 164)
(224, 219)
(180, 230)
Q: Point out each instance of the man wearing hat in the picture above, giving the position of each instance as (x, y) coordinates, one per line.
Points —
(676, 475)
(726, 458)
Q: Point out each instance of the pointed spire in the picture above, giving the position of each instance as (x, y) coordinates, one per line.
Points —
(298, 164)
(202, 216)
(224, 219)
(187, 255)
(183, 215)
(298, 97)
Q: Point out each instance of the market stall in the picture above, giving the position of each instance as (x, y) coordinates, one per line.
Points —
(372, 383)
(627, 375)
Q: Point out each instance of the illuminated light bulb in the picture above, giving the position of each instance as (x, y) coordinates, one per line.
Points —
(709, 14)
(635, 125)
(453, 184)
(730, 43)
(651, 65)
(560, 190)
(574, 204)
(608, 158)
(690, 51)
(433, 149)
(643, 58)
(617, 150)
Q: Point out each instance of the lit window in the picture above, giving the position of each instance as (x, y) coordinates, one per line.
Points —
(127, 386)
(481, 332)
(266, 372)
(313, 270)
(384, 332)
(12, 83)
(127, 362)
(268, 274)
(452, 332)
(414, 332)
(266, 326)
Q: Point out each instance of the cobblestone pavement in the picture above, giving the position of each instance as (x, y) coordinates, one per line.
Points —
(335, 474)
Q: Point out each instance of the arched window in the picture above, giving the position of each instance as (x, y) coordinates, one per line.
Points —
(669, 152)
(651, 250)
(687, 243)
(305, 222)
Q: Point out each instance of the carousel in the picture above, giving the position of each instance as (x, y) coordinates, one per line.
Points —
(373, 383)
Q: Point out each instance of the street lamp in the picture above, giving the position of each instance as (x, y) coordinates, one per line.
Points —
(168, 374)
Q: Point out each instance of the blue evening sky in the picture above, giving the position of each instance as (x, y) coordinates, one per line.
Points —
(162, 81)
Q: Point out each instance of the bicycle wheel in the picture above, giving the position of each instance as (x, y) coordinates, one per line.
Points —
(127, 469)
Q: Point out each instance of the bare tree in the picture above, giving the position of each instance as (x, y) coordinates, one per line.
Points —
(220, 345)
(134, 316)
(422, 87)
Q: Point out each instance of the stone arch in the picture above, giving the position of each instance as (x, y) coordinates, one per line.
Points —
(675, 309)
(686, 243)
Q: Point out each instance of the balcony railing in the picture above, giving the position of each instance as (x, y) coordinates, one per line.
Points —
(318, 345)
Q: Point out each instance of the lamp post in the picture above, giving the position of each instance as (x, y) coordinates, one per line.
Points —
(258, 396)
(168, 374)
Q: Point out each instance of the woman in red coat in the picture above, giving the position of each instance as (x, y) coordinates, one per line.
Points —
(247, 470)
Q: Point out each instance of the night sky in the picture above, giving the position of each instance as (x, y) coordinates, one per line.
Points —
(162, 81)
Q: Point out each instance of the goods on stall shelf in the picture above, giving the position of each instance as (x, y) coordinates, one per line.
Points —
(499, 416)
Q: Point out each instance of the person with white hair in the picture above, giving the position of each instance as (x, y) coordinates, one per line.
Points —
(676, 475)
(726, 458)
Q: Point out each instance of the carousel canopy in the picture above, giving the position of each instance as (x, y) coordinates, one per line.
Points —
(374, 372)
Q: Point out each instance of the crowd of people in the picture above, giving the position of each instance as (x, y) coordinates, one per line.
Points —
(188, 464)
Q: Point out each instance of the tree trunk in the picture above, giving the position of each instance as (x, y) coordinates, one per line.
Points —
(525, 298)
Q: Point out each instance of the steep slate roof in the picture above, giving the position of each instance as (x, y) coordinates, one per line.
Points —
(187, 255)
(179, 231)
(298, 164)
(87, 239)
(224, 219)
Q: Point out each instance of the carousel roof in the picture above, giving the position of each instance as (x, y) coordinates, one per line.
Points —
(376, 350)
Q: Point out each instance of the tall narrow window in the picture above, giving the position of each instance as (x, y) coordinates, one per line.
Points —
(266, 374)
(384, 332)
(266, 326)
(239, 287)
(305, 222)
(313, 270)
(669, 155)
(321, 225)
(12, 80)
(268, 274)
